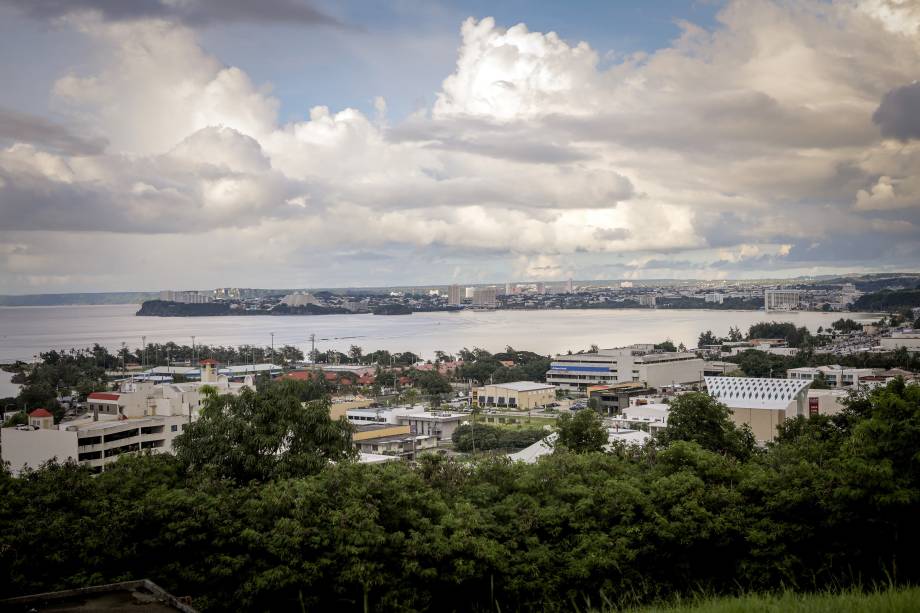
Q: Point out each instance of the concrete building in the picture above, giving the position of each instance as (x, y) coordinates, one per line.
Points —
(392, 440)
(714, 298)
(484, 297)
(647, 300)
(438, 424)
(781, 299)
(468, 292)
(762, 404)
(521, 395)
(909, 340)
(826, 402)
(835, 376)
(453, 295)
(650, 417)
(612, 399)
(140, 416)
(640, 363)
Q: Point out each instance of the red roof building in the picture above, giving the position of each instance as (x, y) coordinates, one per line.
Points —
(209, 362)
(102, 396)
(40, 413)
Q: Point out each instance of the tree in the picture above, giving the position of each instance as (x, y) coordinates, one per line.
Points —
(264, 434)
(734, 334)
(355, 353)
(582, 433)
(697, 417)
(707, 338)
(820, 382)
(667, 345)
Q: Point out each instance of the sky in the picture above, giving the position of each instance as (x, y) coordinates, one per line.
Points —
(190, 144)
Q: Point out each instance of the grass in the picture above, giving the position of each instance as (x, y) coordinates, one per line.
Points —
(891, 600)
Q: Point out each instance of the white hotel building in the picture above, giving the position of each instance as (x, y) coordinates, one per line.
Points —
(636, 364)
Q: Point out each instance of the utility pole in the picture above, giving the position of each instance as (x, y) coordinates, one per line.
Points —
(194, 357)
(144, 354)
(273, 346)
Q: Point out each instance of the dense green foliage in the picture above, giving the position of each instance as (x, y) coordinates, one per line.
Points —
(494, 437)
(794, 336)
(483, 367)
(698, 418)
(832, 503)
(888, 300)
(583, 432)
(281, 430)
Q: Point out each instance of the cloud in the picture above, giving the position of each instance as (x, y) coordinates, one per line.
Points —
(24, 128)
(191, 12)
(732, 150)
(898, 115)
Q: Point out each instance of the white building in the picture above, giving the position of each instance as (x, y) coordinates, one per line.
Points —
(453, 295)
(714, 298)
(437, 424)
(636, 363)
(835, 376)
(299, 299)
(192, 297)
(763, 404)
(140, 416)
(781, 299)
(648, 300)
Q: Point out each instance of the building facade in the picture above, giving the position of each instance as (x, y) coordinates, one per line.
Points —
(634, 364)
(762, 404)
(520, 395)
(781, 299)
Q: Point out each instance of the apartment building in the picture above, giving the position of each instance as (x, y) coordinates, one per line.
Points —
(453, 295)
(640, 363)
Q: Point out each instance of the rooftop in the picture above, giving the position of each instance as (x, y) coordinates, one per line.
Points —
(523, 386)
(748, 392)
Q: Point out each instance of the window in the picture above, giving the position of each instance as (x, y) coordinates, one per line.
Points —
(174, 428)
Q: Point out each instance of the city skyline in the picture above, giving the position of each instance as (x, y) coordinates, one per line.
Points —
(319, 144)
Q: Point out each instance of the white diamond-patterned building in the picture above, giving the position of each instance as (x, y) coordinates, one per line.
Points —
(763, 404)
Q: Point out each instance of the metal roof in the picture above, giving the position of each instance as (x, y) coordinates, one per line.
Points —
(751, 393)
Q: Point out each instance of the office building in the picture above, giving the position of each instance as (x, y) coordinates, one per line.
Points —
(647, 300)
(640, 363)
(192, 297)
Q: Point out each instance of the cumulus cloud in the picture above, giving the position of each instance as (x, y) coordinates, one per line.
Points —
(733, 149)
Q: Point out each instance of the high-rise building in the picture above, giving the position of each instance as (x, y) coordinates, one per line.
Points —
(468, 293)
(541, 288)
(453, 295)
(569, 286)
(484, 297)
(781, 299)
